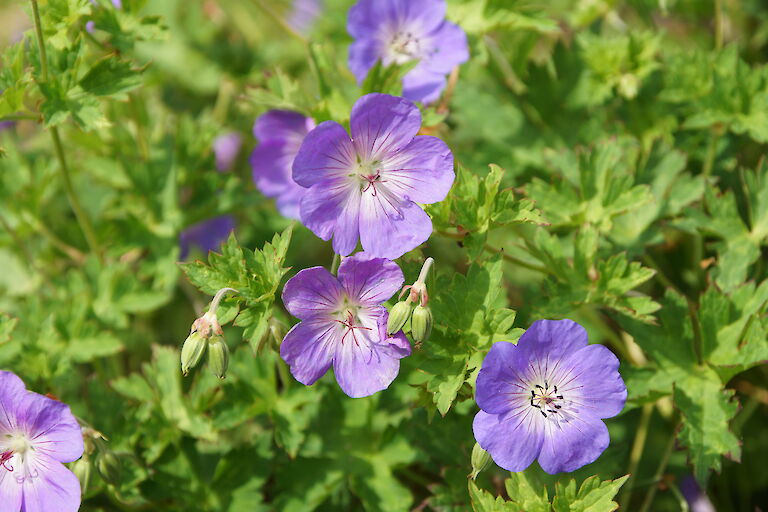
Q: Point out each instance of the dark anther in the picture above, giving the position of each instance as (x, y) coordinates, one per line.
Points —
(539, 386)
(559, 396)
(555, 389)
(558, 406)
(543, 413)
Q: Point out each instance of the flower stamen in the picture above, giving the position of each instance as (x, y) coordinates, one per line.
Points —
(4, 458)
(350, 327)
(544, 400)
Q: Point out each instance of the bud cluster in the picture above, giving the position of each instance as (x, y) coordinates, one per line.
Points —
(207, 335)
(420, 315)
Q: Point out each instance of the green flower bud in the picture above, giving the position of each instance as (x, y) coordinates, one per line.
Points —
(421, 323)
(398, 316)
(109, 467)
(192, 352)
(480, 460)
(82, 470)
(218, 356)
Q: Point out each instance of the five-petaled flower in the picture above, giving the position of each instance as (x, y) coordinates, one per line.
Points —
(280, 133)
(37, 434)
(367, 186)
(546, 398)
(401, 31)
(343, 325)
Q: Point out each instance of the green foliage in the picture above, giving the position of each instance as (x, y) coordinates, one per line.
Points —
(593, 495)
(609, 169)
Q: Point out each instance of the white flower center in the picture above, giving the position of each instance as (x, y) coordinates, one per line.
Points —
(404, 47)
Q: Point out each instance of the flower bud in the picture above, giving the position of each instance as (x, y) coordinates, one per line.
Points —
(421, 323)
(480, 460)
(218, 356)
(398, 316)
(192, 352)
(82, 470)
(109, 467)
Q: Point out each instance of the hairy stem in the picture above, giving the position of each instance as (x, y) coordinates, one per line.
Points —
(82, 218)
(659, 473)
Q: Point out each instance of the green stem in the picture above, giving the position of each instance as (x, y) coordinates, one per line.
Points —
(40, 40)
(659, 473)
(494, 250)
(709, 163)
(718, 24)
(335, 263)
(634, 458)
(20, 117)
(82, 218)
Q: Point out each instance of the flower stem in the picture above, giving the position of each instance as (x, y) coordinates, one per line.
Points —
(659, 473)
(634, 458)
(718, 24)
(217, 299)
(82, 218)
(280, 21)
(425, 270)
(335, 263)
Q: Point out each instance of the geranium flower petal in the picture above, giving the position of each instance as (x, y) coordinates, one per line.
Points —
(422, 172)
(572, 442)
(363, 369)
(52, 428)
(382, 124)
(50, 488)
(598, 379)
(367, 17)
(326, 153)
(10, 491)
(370, 280)
(512, 440)
(308, 349)
(311, 293)
(390, 228)
(553, 339)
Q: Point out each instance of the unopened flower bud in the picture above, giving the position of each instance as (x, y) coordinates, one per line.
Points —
(82, 470)
(218, 356)
(109, 467)
(421, 323)
(192, 352)
(480, 460)
(398, 316)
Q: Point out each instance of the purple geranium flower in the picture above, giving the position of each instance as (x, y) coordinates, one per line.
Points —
(546, 397)
(697, 498)
(207, 235)
(344, 324)
(280, 133)
(37, 434)
(226, 147)
(401, 31)
(366, 187)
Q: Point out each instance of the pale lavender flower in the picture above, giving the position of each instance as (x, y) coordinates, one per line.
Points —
(367, 186)
(226, 147)
(90, 26)
(206, 235)
(343, 325)
(546, 398)
(37, 435)
(402, 31)
(280, 133)
(6, 125)
(303, 14)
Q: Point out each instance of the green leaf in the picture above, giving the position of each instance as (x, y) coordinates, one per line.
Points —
(594, 495)
(7, 325)
(523, 491)
(111, 76)
(483, 501)
(706, 409)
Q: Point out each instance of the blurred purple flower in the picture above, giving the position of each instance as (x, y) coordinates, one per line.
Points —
(37, 434)
(343, 325)
(118, 4)
(546, 397)
(5, 125)
(280, 133)
(697, 499)
(226, 147)
(207, 235)
(303, 14)
(401, 31)
(366, 186)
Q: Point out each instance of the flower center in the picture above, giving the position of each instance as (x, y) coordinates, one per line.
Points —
(404, 46)
(370, 176)
(545, 399)
(348, 321)
(15, 444)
